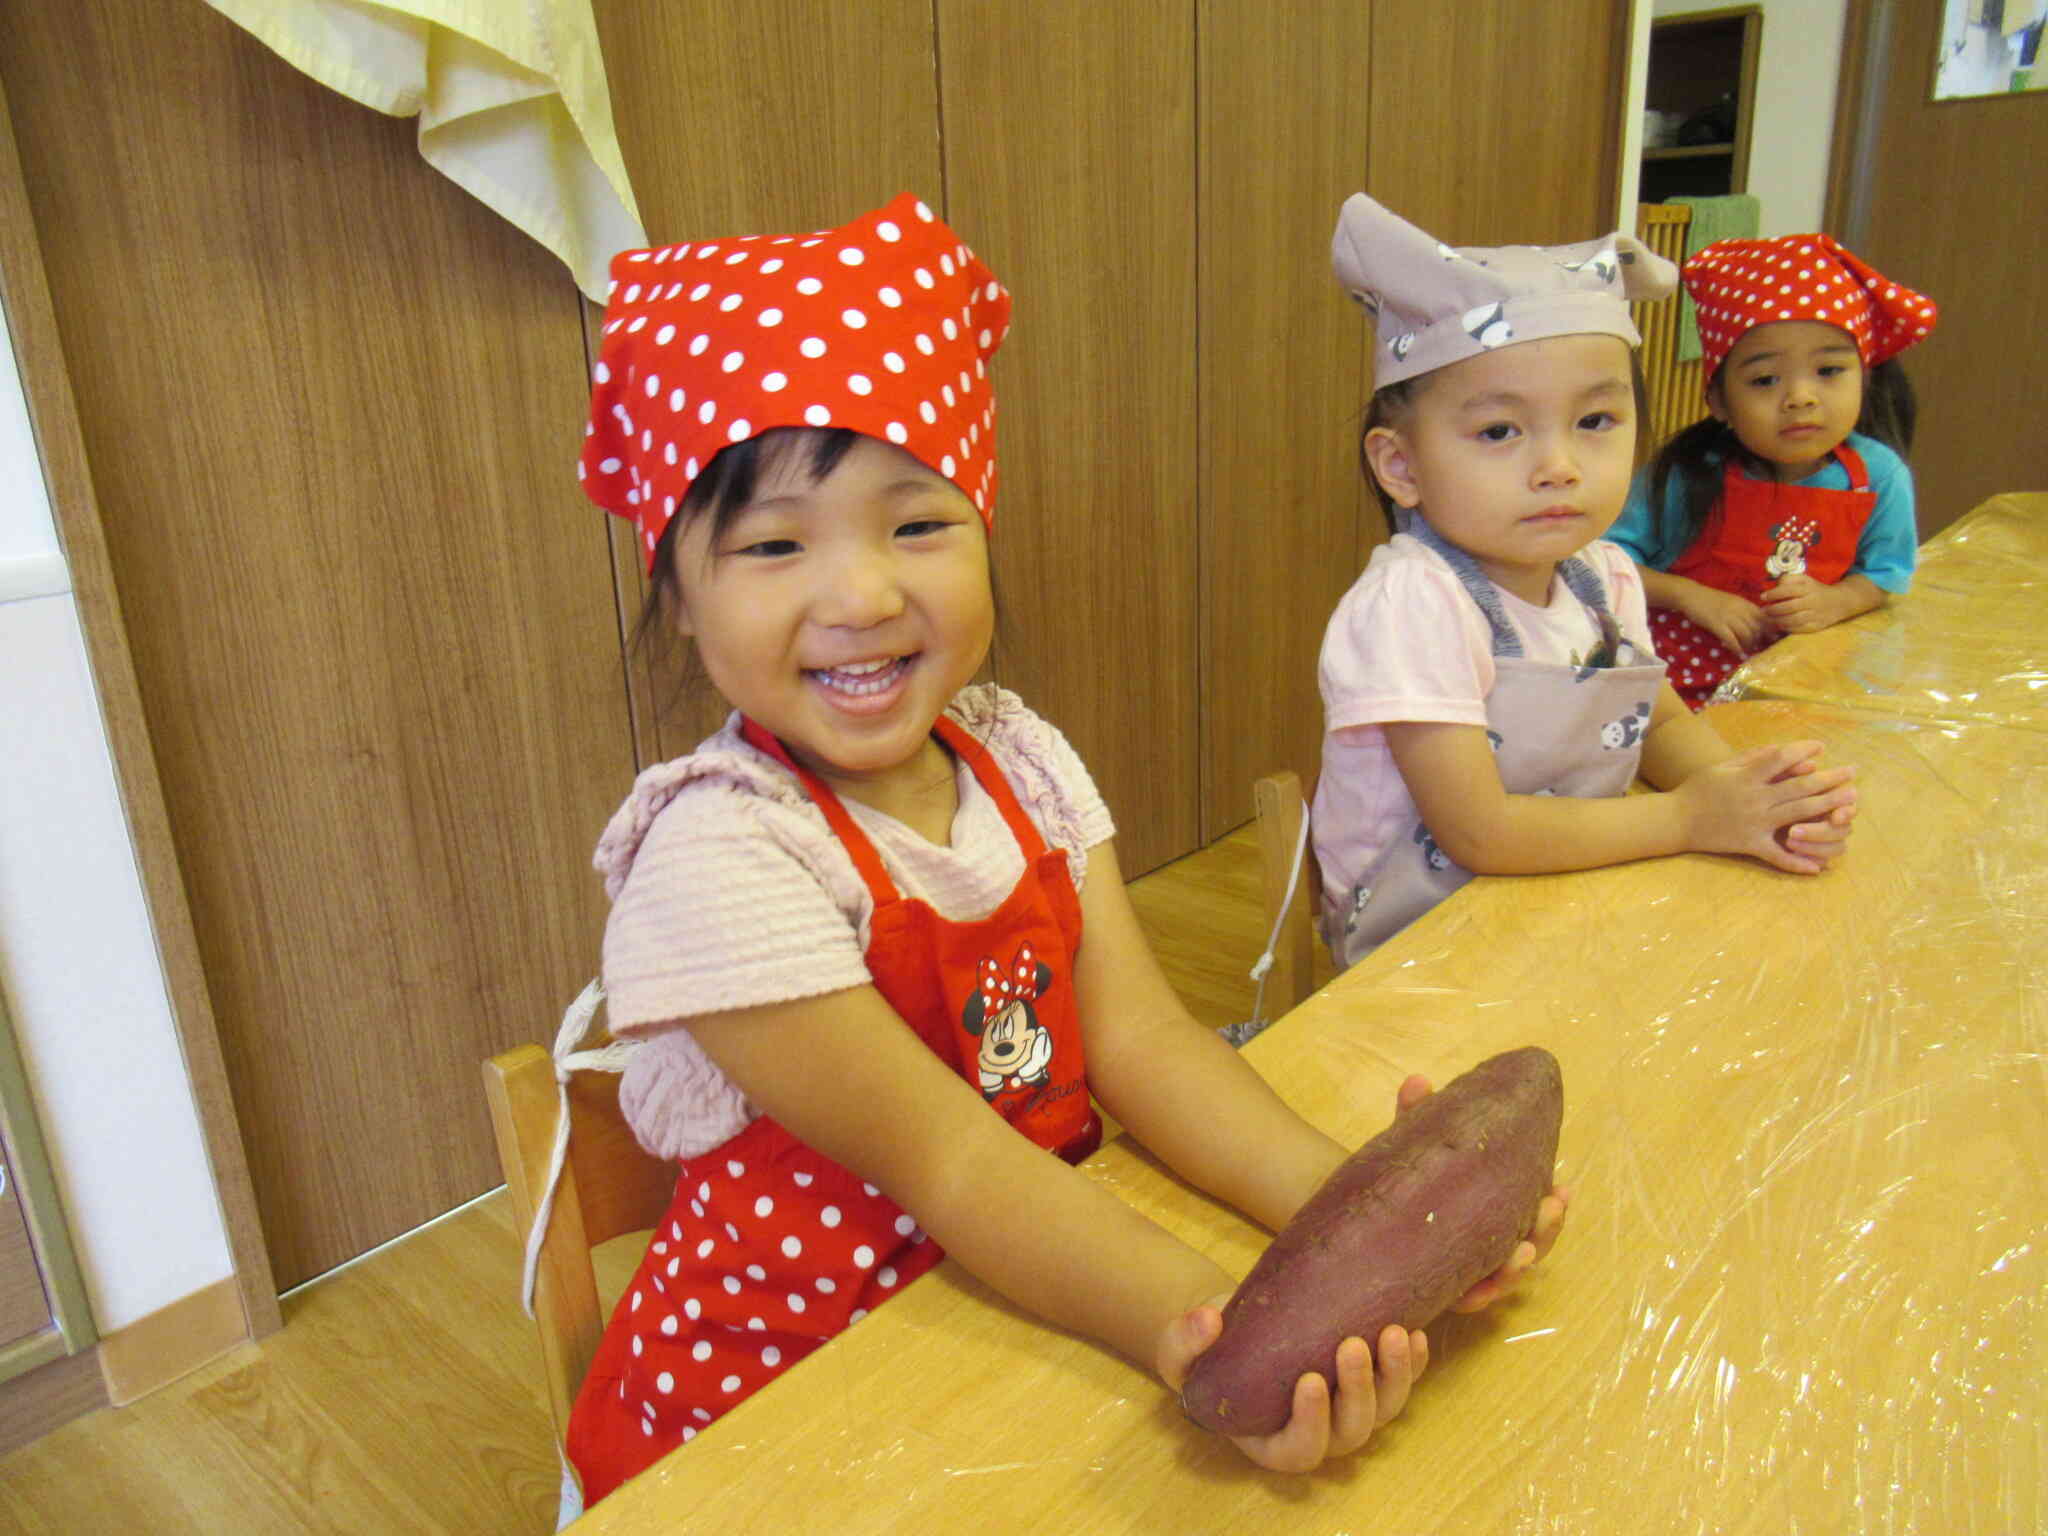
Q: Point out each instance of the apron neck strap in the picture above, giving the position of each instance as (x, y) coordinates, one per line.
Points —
(1852, 461)
(1574, 572)
(1736, 467)
(859, 847)
(991, 779)
(837, 817)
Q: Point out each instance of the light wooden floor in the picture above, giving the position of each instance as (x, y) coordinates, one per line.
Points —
(403, 1393)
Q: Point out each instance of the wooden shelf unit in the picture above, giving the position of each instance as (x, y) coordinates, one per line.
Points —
(1695, 61)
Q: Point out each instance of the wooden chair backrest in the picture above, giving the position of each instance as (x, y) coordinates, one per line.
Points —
(1276, 799)
(1675, 394)
(609, 1186)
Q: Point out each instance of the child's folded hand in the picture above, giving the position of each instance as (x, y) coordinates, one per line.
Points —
(1734, 621)
(1742, 805)
(1826, 839)
(1799, 605)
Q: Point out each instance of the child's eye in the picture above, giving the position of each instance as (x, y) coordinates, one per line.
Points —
(1498, 432)
(1599, 421)
(1831, 370)
(768, 549)
(1761, 380)
(920, 527)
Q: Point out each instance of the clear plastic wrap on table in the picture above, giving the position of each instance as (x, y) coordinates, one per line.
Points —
(1802, 1287)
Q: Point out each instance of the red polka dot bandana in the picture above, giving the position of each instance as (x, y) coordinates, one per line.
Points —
(1737, 285)
(884, 325)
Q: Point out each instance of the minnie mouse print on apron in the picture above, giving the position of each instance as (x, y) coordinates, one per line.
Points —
(769, 1248)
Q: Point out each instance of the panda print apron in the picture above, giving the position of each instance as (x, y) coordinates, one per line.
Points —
(1758, 533)
(769, 1248)
(1556, 729)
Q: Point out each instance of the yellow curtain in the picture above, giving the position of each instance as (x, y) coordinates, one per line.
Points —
(511, 98)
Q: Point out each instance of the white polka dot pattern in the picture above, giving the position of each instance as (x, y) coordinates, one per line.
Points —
(767, 1251)
(1696, 662)
(1737, 285)
(869, 326)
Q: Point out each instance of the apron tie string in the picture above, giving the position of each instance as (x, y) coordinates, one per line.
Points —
(1237, 1034)
(568, 1060)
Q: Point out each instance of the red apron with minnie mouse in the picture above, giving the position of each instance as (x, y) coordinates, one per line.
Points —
(1758, 533)
(770, 1249)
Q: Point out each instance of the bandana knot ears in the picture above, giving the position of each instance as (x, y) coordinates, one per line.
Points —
(884, 325)
(1432, 306)
(1737, 285)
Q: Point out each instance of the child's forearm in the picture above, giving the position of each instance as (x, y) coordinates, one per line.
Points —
(1151, 1079)
(1679, 745)
(1450, 771)
(1551, 834)
(1183, 1093)
(1548, 834)
(1859, 594)
(1067, 1249)
(1661, 589)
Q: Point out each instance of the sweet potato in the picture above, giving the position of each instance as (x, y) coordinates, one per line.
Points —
(1404, 1227)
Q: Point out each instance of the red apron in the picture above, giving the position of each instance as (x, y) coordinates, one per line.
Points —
(1758, 533)
(769, 1248)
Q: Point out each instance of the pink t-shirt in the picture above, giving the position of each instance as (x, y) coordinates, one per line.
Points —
(730, 891)
(1408, 644)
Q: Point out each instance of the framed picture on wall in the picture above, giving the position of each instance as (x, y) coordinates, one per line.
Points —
(1989, 48)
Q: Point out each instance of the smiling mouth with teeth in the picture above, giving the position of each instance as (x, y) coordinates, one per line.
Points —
(862, 677)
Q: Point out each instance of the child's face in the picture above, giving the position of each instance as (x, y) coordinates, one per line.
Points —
(843, 614)
(1520, 456)
(1790, 391)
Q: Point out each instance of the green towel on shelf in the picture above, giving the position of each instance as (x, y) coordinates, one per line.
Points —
(1735, 217)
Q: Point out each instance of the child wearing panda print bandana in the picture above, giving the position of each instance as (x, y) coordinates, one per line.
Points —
(1789, 507)
(1489, 687)
(872, 933)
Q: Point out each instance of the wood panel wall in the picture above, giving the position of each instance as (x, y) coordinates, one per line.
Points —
(1285, 517)
(331, 407)
(330, 404)
(1947, 197)
(1498, 123)
(1069, 142)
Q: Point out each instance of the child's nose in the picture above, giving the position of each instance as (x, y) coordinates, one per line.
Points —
(1556, 464)
(859, 591)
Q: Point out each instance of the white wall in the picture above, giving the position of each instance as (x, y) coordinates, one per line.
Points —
(1631, 167)
(1792, 126)
(78, 960)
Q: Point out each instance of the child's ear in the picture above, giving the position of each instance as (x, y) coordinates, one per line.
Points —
(1717, 401)
(1388, 455)
(673, 606)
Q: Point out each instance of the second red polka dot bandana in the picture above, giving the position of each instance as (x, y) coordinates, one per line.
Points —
(884, 325)
(1737, 285)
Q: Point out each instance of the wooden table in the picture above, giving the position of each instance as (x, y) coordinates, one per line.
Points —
(1802, 1287)
(1968, 642)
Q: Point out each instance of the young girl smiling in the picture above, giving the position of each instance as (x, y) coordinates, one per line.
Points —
(873, 932)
